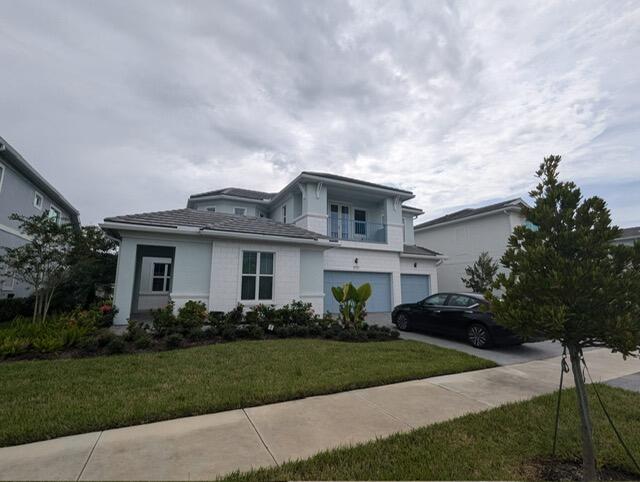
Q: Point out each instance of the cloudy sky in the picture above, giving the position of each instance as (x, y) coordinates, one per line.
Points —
(130, 106)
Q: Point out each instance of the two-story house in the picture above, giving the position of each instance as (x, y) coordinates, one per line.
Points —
(463, 235)
(24, 191)
(233, 245)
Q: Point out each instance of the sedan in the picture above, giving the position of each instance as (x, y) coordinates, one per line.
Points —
(455, 314)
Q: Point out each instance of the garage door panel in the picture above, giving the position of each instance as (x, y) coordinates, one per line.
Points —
(380, 301)
(414, 287)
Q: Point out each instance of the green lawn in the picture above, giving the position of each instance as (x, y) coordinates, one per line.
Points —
(45, 399)
(499, 444)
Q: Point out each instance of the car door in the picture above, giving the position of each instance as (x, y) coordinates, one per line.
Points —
(457, 314)
(427, 313)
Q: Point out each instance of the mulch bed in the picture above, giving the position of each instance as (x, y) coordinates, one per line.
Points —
(570, 470)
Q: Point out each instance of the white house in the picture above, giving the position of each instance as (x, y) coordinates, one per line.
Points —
(464, 235)
(629, 236)
(233, 245)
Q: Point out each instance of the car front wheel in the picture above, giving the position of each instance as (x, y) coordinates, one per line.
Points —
(402, 322)
(479, 336)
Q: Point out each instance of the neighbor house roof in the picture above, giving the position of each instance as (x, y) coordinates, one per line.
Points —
(213, 221)
(469, 212)
(419, 250)
(630, 233)
(12, 157)
(237, 192)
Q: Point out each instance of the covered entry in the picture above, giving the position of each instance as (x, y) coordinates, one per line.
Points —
(153, 282)
(415, 287)
(380, 301)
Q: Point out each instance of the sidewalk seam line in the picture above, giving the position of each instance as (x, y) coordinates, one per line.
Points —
(463, 395)
(86, 462)
(260, 436)
(383, 410)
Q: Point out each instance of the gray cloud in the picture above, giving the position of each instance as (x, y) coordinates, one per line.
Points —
(132, 105)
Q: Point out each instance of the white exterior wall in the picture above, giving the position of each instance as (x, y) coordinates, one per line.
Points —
(190, 276)
(312, 278)
(226, 268)
(462, 243)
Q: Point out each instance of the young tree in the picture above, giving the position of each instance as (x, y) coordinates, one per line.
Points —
(43, 262)
(480, 275)
(567, 280)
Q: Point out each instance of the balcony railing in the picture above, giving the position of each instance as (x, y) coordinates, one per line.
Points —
(352, 230)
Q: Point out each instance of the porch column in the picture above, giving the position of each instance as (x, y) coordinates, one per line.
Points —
(125, 279)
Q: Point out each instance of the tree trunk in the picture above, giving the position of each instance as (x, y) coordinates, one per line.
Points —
(588, 452)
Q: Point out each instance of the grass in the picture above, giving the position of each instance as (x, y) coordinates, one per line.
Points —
(500, 444)
(51, 398)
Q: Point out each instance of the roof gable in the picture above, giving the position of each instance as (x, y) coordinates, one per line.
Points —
(468, 212)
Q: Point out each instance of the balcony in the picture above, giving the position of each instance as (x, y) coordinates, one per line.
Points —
(344, 229)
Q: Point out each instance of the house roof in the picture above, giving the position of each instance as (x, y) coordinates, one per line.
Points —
(207, 220)
(419, 250)
(633, 232)
(268, 196)
(352, 180)
(411, 208)
(12, 157)
(466, 213)
(237, 192)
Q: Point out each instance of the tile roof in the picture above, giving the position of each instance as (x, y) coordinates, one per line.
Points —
(213, 221)
(350, 179)
(413, 249)
(465, 213)
(237, 192)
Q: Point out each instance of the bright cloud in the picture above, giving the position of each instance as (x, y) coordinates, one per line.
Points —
(131, 106)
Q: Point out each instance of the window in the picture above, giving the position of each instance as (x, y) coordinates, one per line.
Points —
(212, 209)
(436, 300)
(54, 214)
(1, 175)
(360, 222)
(7, 284)
(284, 214)
(161, 279)
(37, 200)
(240, 211)
(531, 226)
(463, 301)
(257, 276)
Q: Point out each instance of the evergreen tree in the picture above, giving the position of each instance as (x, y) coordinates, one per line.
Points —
(569, 281)
(480, 275)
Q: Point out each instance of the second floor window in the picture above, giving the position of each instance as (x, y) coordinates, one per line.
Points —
(37, 200)
(212, 209)
(239, 211)
(55, 214)
(284, 214)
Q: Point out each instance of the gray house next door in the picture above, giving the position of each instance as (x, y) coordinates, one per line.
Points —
(380, 301)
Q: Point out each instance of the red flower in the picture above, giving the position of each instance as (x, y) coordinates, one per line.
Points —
(104, 309)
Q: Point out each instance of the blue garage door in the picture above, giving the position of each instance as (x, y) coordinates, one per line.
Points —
(380, 300)
(415, 287)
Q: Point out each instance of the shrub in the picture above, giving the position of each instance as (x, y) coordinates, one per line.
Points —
(192, 315)
(228, 332)
(164, 321)
(115, 345)
(235, 316)
(216, 317)
(296, 313)
(12, 308)
(197, 334)
(107, 313)
(143, 341)
(104, 338)
(174, 340)
(135, 329)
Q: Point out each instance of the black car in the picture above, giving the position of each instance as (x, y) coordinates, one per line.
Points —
(456, 314)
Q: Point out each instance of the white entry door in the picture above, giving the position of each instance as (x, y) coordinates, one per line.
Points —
(155, 283)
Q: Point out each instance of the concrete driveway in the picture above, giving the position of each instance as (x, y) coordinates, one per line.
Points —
(507, 355)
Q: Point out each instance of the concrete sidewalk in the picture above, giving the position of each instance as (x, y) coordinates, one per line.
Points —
(204, 447)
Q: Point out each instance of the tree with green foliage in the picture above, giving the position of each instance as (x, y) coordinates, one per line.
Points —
(352, 303)
(43, 262)
(93, 259)
(481, 274)
(570, 282)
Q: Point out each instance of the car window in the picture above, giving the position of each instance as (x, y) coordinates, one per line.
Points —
(460, 300)
(436, 300)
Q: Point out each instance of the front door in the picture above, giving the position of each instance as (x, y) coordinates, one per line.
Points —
(339, 220)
